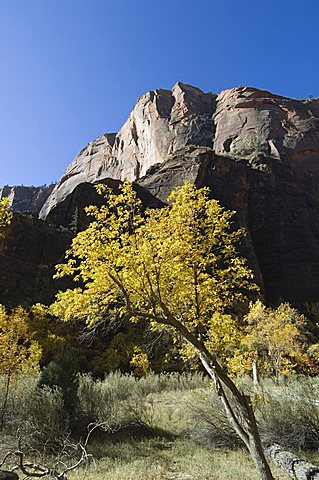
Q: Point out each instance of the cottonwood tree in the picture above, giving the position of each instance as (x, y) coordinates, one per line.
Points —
(19, 353)
(275, 340)
(175, 267)
(5, 214)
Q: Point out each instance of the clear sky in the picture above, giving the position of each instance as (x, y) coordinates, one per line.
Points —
(73, 69)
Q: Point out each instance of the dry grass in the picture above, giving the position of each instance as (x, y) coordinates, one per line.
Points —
(170, 460)
(167, 427)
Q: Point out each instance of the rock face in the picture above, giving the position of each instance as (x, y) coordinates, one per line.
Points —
(277, 206)
(29, 251)
(161, 122)
(241, 122)
(259, 153)
(250, 121)
(26, 199)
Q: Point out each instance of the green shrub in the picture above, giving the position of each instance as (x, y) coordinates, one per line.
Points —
(114, 402)
(62, 373)
(22, 388)
(287, 414)
(45, 423)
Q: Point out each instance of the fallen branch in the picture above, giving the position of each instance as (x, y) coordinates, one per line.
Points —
(58, 471)
(295, 467)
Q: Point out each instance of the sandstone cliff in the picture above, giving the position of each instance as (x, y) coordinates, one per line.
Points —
(277, 205)
(26, 199)
(161, 122)
(259, 152)
(241, 122)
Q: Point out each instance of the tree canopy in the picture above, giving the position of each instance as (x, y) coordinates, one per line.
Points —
(179, 261)
(276, 337)
(19, 353)
(176, 267)
(273, 341)
(5, 214)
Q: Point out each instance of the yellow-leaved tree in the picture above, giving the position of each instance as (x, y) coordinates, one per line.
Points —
(19, 353)
(177, 268)
(5, 214)
(274, 340)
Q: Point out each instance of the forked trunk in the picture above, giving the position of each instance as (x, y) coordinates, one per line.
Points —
(239, 412)
(260, 461)
(241, 416)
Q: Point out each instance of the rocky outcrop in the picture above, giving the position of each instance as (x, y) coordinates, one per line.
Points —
(26, 199)
(242, 122)
(201, 166)
(259, 153)
(29, 251)
(90, 165)
(249, 122)
(277, 205)
(70, 213)
(161, 122)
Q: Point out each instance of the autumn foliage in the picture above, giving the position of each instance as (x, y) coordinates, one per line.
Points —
(5, 214)
(177, 268)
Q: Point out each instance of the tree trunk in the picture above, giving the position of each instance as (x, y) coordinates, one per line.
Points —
(254, 445)
(241, 416)
(291, 464)
(256, 378)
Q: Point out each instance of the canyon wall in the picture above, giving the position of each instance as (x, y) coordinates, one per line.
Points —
(259, 153)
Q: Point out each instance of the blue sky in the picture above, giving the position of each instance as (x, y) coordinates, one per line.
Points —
(73, 69)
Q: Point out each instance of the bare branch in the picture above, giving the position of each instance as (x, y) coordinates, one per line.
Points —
(60, 470)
